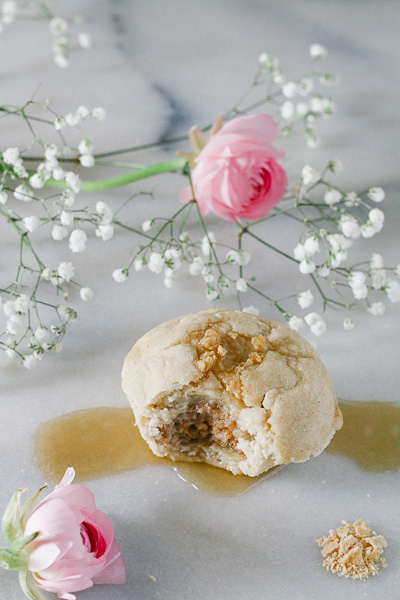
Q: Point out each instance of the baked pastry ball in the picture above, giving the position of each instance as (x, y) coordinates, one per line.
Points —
(232, 390)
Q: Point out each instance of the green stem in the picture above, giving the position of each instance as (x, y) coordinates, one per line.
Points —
(176, 165)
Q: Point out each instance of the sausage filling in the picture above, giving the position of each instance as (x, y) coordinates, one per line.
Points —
(201, 423)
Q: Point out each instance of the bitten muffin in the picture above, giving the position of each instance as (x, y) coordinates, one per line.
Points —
(232, 390)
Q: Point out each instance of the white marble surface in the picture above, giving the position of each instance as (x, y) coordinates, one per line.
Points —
(158, 67)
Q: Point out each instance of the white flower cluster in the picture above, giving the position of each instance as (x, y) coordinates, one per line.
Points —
(296, 107)
(63, 40)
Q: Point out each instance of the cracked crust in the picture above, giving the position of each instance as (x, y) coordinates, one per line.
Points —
(231, 389)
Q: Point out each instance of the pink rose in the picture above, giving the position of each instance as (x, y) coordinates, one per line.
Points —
(236, 173)
(75, 547)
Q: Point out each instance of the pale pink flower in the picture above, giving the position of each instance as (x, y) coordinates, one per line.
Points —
(75, 547)
(236, 174)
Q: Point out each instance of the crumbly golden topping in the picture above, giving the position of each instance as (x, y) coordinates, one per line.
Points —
(353, 550)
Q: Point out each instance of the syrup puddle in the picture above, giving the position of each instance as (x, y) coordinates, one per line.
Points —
(99, 442)
(103, 441)
(370, 435)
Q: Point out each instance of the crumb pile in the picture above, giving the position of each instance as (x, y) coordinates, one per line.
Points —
(353, 550)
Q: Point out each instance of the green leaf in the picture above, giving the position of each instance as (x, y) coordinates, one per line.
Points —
(28, 586)
(28, 505)
(21, 543)
(9, 560)
(11, 522)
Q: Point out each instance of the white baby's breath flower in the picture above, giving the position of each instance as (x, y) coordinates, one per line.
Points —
(86, 293)
(306, 266)
(392, 290)
(59, 123)
(85, 146)
(105, 212)
(10, 156)
(31, 223)
(106, 232)
(316, 323)
(66, 270)
(61, 60)
(87, 160)
(357, 283)
(85, 40)
(22, 304)
(46, 274)
(241, 285)
(349, 226)
(287, 110)
(324, 271)
(332, 197)
(311, 246)
(378, 278)
(73, 181)
(396, 271)
(376, 194)
(196, 267)
(368, 230)
(3, 197)
(9, 308)
(58, 26)
(205, 243)
(309, 175)
(351, 199)
(348, 324)
(23, 193)
(147, 225)
(66, 218)
(119, 275)
(240, 257)
(208, 273)
(59, 232)
(296, 323)
(172, 258)
(377, 218)
(29, 361)
(305, 299)
(376, 261)
(36, 181)
(77, 240)
(301, 109)
(156, 262)
(211, 293)
(376, 309)
(139, 263)
(42, 334)
(58, 174)
(251, 310)
(8, 11)
(335, 165)
(317, 51)
(289, 89)
(72, 119)
(299, 252)
(15, 324)
(99, 113)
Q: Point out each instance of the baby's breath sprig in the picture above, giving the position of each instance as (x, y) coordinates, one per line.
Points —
(39, 189)
(65, 35)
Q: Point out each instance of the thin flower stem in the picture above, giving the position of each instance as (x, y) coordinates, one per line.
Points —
(177, 165)
(270, 246)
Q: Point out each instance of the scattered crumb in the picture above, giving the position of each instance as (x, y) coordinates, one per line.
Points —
(352, 550)
(152, 577)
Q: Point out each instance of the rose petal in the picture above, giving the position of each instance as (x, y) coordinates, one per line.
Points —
(43, 556)
(114, 571)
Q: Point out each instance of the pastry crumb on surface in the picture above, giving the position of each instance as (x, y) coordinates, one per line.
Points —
(352, 550)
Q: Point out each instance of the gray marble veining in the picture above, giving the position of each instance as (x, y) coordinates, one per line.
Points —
(158, 67)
